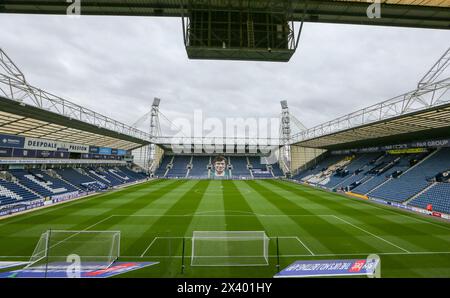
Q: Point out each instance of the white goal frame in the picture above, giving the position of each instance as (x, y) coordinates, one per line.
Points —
(259, 243)
(52, 250)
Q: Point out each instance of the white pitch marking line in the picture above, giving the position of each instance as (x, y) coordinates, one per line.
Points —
(215, 215)
(308, 255)
(91, 226)
(376, 236)
(325, 255)
(304, 245)
(148, 247)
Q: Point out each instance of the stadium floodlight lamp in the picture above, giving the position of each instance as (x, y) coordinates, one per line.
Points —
(284, 104)
(156, 102)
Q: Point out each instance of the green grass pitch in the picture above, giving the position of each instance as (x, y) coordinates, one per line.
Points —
(310, 224)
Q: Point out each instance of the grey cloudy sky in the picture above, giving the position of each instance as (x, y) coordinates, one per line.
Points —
(116, 65)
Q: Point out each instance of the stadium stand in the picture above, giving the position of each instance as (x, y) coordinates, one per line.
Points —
(42, 183)
(438, 195)
(349, 172)
(162, 169)
(32, 184)
(321, 166)
(80, 179)
(11, 193)
(179, 166)
(239, 167)
(391, 164)
(258, 169)
(404, 178)
(276, 170)
(200, 167)
(414, 179)
(132, 174)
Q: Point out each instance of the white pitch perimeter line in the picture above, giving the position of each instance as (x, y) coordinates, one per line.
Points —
(148, 247)
(324, 255)
(308, 255)
(372, 234)
(304, 245)
(397, 212)
(215, 215)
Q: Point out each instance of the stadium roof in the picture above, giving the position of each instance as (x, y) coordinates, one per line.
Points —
(403, 13)
(32, 112)
(17, 118)
(418, 115)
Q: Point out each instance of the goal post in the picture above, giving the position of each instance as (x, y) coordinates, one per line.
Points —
(59, 249)
(230, 248)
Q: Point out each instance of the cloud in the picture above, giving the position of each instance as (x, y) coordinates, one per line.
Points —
(117, 65)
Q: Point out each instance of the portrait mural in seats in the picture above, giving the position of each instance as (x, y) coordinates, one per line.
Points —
(220, 164)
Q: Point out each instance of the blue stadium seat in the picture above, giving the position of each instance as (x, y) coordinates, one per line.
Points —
(12, 193)
(199, 167)
(161, 171)
(240, 169)
(415, 180)
(179, 168)
(42, 183)
(438, 195)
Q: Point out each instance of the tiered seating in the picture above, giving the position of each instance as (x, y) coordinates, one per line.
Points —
(255, 161)
(392, 164)
(132, 174)
(119, 174)
(261, 173)
(104, 176)
(358, 163)
(71, 182)
(179, 168)
(199, 167)
(438, 195)
(239, 164)
(83, 181)
(276, 170)
(161, 171)
(365, 173)
(259, 170)
(321, 166)
(412, 182)
(42, 183)
(11, 193)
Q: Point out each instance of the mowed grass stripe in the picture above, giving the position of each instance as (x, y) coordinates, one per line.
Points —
(171, 226)
(21, 238)
(125, 203)
(62, 210)
(335, 237)
(234, 203)
(281, 226)
(210, 214)
(412, 237)
(438, 226)
(116, 217)
(347, 217)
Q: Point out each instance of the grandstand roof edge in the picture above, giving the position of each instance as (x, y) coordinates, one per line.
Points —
(33, 112)
(441, 132)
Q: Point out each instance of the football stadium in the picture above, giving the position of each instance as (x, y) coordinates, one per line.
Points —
(366, 194)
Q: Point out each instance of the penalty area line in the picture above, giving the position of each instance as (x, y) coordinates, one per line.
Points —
(148, 247)
(372, 234)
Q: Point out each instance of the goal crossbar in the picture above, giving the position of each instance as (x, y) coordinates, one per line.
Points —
(59, 249)
(229, 248)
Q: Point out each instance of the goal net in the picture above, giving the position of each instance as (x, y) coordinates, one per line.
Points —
(59, 250)
(230, 248)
